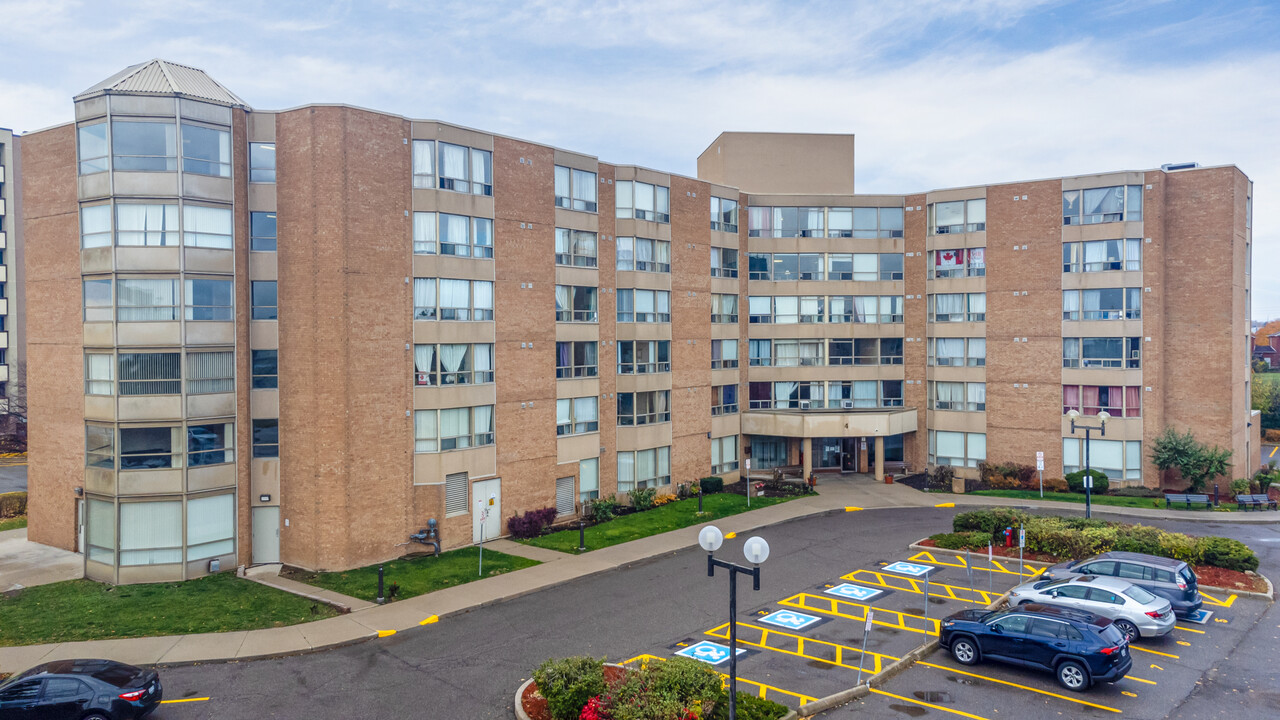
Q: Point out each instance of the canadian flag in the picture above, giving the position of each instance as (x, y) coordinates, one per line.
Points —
(949, 258)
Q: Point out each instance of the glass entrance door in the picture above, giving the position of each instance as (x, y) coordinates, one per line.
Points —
(827, 452)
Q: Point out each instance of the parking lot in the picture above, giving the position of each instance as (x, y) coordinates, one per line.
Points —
(806, 645)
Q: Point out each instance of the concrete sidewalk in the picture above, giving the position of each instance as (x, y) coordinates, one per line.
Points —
(369, 621)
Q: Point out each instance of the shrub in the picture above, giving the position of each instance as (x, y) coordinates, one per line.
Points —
(687, 680)
(1240, 486)
(750, 707)
(642, 498)
(990, 521)
(1075, 481)
(1226, 553)
(961, 540)
(13, 504)
(938, 478)
(569, 684)
(602, 509)
(661, 500)
(1004, 482)
(1139, 539)
(532, 523)
(1054, 485)
(711, 485)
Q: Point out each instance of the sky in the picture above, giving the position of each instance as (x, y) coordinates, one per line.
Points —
(940, 93)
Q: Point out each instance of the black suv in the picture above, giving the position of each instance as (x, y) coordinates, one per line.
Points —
(81, 690)
(1171, 579)
(1080, 648)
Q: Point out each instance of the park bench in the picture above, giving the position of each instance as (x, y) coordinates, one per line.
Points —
(1171, 498)
(1261, 502)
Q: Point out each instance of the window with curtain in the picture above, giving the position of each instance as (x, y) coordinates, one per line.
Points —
(576, 303)
(211, 372)
(211, 526)
(455, 428)
(209, 299)
(977, 396)
(865, 394)
(575, 248)
(760, 353)
(724, 262)
(891, 308)
(455, 364)
(95, 226)
(146, 225)
(760, 309)
(464, 236)
(100, 446)
(977, 307)
(266, 438)
(98, 375)
(100, 531)
(724, 308)
(139, 300)
(465, 170)
(786, 310)
(206, 151)
(424, 164)
(575, 189)
(812, 309)
(265, 368)
(148, 448)
(840, 309)
(724, 214)
(425, 433)
(576, 359)
(1118, 459)
(150, 373)
(262, 162)
(949, 351)
(948, 396)
(206, 227)
(144, 146)
(424, 233)
(588, 479)
(812, 222)
(866, 267)
(786, 353)
(424, 298)
(91, 148)
(150, 533)
(759, 222)
(425, 370)
(724, 454)
(626, 472)
(724, 399)
(262, 231)
(210, 444)
(642, 201)
(576, 416)
(866, 309)
(724, 354)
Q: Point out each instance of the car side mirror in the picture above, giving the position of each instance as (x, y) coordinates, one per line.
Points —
(1053, 593)
(997, 629)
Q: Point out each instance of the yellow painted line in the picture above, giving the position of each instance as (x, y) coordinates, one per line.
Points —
(914, 585)
(850, 508)
(757, 636)
(1156, 667)
(386, 633)
(959, 562)
(1020, 687)
(1179, 627)
(1154, 652)
(1211, 600)
(430, 620)
(730, 535)
(1130, 694)
(762, 693)
(1273, 451)
(928, 705)
(946, 505)
(828, 605)
(1184, 643)
(183, 700)
(1138, 679)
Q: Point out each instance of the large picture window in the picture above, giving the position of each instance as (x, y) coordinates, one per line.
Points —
(210, 444)
(957, 449)
(150, 533)
(1119, 459)
(150, 225)
(1119, 203)
(448, 299)
(644, 306)
(452, 428)
(642, 201)
(644, 469)
(211, 526)
(206, 151)
(150, 373)
(575, 189)
(147, 448)
(142, 300)
(209, 299)
(144, 146)
(575, 416)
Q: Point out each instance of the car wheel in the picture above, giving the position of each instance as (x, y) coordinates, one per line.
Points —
(1072, 676)
(1129, 629)
(964, 651)
(95, 716)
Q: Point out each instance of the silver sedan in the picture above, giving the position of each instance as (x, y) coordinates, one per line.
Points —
(1135, 612)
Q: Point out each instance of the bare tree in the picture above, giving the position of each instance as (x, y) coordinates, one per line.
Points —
(13, 422)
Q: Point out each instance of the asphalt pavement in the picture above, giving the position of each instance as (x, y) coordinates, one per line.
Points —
(13, 477)
(469, 665)
(1270, 454)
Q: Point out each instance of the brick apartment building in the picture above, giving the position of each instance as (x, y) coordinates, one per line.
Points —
(298, 335)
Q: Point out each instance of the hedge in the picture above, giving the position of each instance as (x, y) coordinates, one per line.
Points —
(13, 504)
(1076, 538)
(1075, 482)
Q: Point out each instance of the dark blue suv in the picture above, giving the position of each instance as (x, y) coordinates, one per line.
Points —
(1080, 648)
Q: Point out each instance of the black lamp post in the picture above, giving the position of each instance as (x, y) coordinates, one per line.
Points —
(757, 551)
(1103, 417)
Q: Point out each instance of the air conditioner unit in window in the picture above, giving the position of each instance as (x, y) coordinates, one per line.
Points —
(846, 404)
(804, 404)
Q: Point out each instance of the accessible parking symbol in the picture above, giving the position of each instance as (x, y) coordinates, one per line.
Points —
(708, 652)
(790, 619)
(906, 568)
(853, 592)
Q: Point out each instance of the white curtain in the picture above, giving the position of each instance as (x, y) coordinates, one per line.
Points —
(423, 355)
(864, 393)
(759, 305)
(810, 352)
(626, 471)
(624, 196)
(456, 423)
(950, 446)
(483, 419)
(786, 353)
(1134, 257)
(664, 199)
(866, 266)
(455, 293)
(150, 224)
(950, 393)
(453, 161)
(98, 367)
(786, 309)
(624, 251)
(150, 533)
(562, 181)
(423, 157)
(101, 531)
(978, 349)
(564, 298)
(977, 393)
(1096, 252)
(95, 226)
(211, 523)
(810, 305)
(977, 448)
(206, 226)
(563, 242)
(1092, 301)
(424, 430)
(644, 196)
(782, 392)
(977, 303)
(949, 304)
(890, 305)
(483, 359)
(1099, 201)
(646, 465)
(1070, 303)
(424, 298)
(142, 300)
(453, 357)
(482, 233)
(455, 229)
(481, 169)
(424, 232)
(564, 411)
(644, 250)
(664, 461)
(584, 187)
(661, 401)
(626, 303)
(662, 252)
(589, 475)
(952, 349)
(586, 409)
(584, 243)
(866, 308)
(977, 211)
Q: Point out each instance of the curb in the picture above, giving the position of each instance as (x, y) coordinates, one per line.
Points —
(1192, 516)
(917, 546)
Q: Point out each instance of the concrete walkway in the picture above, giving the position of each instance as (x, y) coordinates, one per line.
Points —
(370, 621)
(25, 564)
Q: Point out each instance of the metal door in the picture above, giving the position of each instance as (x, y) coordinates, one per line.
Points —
(486, 509)
(266, 535)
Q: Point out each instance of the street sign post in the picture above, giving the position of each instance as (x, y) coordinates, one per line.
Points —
(1040, 470)
(866, 630)
(1022, 542)
(991, 568)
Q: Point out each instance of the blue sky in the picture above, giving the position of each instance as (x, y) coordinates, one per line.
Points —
(940, 93)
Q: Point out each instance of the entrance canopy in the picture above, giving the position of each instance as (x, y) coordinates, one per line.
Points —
(879, 422)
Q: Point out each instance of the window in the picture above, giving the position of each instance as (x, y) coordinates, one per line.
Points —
(956, 448)
(575, 416)
(864, 222)
(457, 300)
(724, 454)
(1116, 400)
(262, 231)
(644, 356)
(798, 353)
(99, 447)
(1100, 205)
(724, 215)
(724, 308)
(206, 151)
(874, 309)
(98, 375)
(643, 201)
(262, 162)
(794, 395)
(588, 479)
(266, 438)
(969, 397)
(724, 354)
(150, 373)
(211, 526)
(264, 299)
(144, 146)
(1102, 352)
(644, 408)
(759, 266)
(452, 428)
(138, 300)
(95, 226)
(960, 262)
(575, 189)
(797, 266)
(891, 266)
(206, 227)
(63, 689)
(576, 248)
(760, 353)
(150, 533)
(1119, 459)
(453, 364)
(424, 164)
(1102, 255)
(724, 400)
(210, 372)
(464, 170)
(644, 469)
(578, 303)
(210, 444)
(211, 299)
(458, 235)
(958, 352)
(643, 254)
(266, 369)
(92, 148)
(644, 306)
(22, 692)
(958, 307)
(150, 447)
(153, 225)
(724, 261)
(577, 359)
(1102, 304)
(957, 217)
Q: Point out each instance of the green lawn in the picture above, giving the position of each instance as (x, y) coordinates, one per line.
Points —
(1116, 500)
(672, 516)
(87, 610)
(13, 523)
(417, 575)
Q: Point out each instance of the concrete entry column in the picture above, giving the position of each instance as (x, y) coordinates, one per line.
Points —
(879, 458)
(806, 454)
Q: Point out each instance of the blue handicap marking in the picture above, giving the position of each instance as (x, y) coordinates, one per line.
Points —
(1200, 617)
(708, 652)
(790, 619)
(853, 592)
(906, 568)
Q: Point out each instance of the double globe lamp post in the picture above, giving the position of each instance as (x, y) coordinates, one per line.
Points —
(1103, 417)
(756, 551)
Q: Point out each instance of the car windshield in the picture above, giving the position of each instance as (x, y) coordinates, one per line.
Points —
(1142, 596)
(1052, 583)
